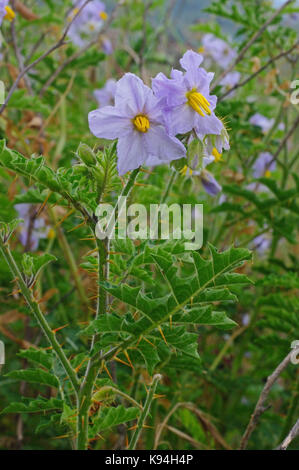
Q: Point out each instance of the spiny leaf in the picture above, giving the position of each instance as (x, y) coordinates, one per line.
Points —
(34, 376)
(34, 406)
(37, 356)
(110, 417)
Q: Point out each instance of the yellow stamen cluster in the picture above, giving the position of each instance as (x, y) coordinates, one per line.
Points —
(103, 15)
(201, 49)
(141, 123)
(186, 170)
(198, 102)
(216, 154)
(10, 14)
(267, 174)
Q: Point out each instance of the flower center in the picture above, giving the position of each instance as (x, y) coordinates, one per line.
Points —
(198, 102)
(10, 14)
(141, 123)
(267, 174)
(103, 15)
(216, 154)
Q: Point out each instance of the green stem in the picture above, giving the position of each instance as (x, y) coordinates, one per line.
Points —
(145, 412)
(64, 245)
(92, 370)
(169, 186)
(39, 315)
(86, 390)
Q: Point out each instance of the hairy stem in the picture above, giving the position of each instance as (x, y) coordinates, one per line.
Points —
(145, 412)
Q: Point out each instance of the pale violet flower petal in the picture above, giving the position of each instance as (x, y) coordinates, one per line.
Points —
(132, 94)
(108, 123)
(191, 61)
(161, 145)
(105, 96)
(209, 183)
(263, 164)
(131, 152)
(207, 125)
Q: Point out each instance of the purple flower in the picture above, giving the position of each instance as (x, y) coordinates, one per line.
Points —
(186, 98)
(261, 121)
(35, 232)
(105, 96)
(229, 81)
(264, 165)
(137, 122)
(209, 183)
(218, 49)
(261, 243)
(107, 46)
(5, 11)
(88, 22)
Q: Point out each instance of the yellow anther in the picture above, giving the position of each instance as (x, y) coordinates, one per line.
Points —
(216, 154)
(141, 123)
(201, 49)
(103, 15)
(10, 14)
(51, 234)
(186, 171)
(267, 174)
(198, 102)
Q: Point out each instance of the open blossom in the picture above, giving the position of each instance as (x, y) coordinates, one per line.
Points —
(137, 122)
(186, 98)
(105, 96)
(264, 165)
(38, 230)
(5, 11)
(88, 22)
(218, 49)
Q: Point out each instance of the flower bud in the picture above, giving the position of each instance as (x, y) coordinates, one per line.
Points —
(86, 154)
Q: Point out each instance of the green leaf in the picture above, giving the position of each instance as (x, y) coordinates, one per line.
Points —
(186, 302)
(37, 356)
(110, 417)
(34, 376)
(205, 316)
(34, 406)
